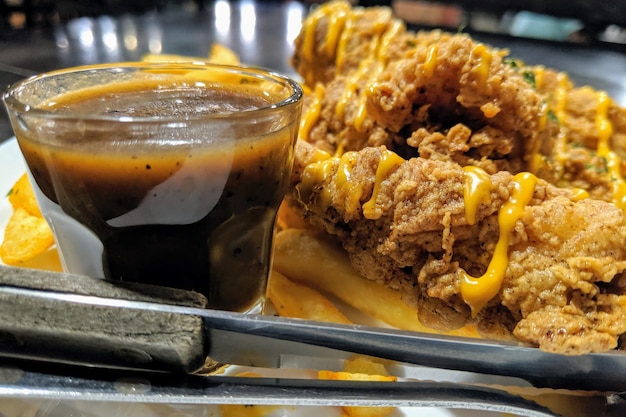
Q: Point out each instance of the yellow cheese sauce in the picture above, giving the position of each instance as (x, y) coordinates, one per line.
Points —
(431, 60)
(339, 30)
(560, 100)
(613, 162)
(484, 58)
(477, 291)
(476, 192)
(314, 174)
(352, 190)
(342, 41)
(366, 74)
(336, 23)
(604, 128)
(388, 162)
(344, 181)
(312, 113)
(351, 86)
(336, 15)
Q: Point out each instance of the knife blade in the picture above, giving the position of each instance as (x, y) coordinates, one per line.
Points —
(76, 319)
(110, 385)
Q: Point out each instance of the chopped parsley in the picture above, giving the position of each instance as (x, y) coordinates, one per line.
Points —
(512, 62)
(529, 77)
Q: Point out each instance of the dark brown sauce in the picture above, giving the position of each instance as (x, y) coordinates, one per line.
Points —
(217, 236)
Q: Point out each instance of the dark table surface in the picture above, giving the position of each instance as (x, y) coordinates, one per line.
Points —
(261, 32)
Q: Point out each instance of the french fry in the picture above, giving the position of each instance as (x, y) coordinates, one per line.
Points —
(289, 218)
(304, 257)
(25, 237)
(291, 299)
(219, 54)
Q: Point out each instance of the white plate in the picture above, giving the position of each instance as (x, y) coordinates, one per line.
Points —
(12, 165)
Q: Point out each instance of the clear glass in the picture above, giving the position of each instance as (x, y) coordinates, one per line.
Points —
(162, 173)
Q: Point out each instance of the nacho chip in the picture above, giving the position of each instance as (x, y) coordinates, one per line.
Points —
(356, 411)
(22, 195)
(25, 237)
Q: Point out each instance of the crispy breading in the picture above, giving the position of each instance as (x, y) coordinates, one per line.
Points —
(566, 256)
(432, 94)
(401, 114)
(447, 96)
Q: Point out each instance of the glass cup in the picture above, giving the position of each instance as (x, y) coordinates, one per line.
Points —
(167, 174)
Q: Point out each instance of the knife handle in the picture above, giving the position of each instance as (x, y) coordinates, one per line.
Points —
(34, 326)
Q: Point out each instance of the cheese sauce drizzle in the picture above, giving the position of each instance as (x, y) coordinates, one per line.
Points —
(388, 161)
(340, 20)
(336, 21)
(367, 72)
(613, 162)
(316, 177)
(428, 67)
(343, 181)
(335, 14)
(343, 41)
(477, 191)
(560, 101)
(312, 113)
(477, 291)
(484, 58)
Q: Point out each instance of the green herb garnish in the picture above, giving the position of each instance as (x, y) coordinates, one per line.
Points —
(529, 77)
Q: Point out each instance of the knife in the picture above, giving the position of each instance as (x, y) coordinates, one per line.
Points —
(52, 382)
(74, 319)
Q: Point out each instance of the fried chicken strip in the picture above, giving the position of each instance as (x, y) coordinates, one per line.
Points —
(448, 97)
(405, 222)
(429, 93)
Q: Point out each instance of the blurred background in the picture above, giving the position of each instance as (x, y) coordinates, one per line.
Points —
(584, 21)
(586, 38)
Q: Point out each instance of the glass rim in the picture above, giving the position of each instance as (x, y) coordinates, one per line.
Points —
(13, 102)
